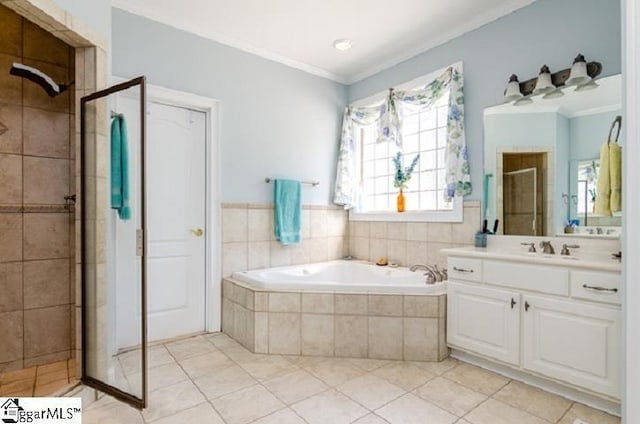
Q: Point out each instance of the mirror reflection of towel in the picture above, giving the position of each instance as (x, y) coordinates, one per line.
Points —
(615, 164)
(609, 186)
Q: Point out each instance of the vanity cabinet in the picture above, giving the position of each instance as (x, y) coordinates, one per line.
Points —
(557, 322)
(485, 320)
(573, 342)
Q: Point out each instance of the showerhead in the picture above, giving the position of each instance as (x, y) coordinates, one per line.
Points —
(43, 80)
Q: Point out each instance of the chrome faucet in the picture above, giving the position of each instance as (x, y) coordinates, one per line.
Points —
(433, 273)
(532, 247)
(565, 249)
(547, 248)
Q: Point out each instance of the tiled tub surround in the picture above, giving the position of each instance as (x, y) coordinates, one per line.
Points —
(409, 243)
(37, 166)
(354, 325)
(248, 241)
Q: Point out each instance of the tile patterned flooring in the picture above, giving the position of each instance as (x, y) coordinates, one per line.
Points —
(212, 379)
(42, 380)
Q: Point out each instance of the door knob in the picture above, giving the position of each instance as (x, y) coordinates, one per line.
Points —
(198, 232)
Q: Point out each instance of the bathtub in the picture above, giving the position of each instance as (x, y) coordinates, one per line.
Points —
(340, 276)
(337, 309)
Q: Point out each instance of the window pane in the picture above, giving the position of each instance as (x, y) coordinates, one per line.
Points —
(428, 160)
(441, 178)
(410, 124)
(441, 158)
(414, 183)
(428, 139)
(382, 185)
(381, 202)
(428, 180)
(442, 116)
(442, 137)
(382, 150)
(382, 167)
(428, 120)
(367, 168)
(368, 152)
(428, 200)
(411, 143)
(412, 201)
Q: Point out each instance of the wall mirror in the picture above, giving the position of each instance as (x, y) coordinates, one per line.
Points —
(542, 161)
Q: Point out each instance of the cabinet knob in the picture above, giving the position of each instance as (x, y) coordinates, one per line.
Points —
(526, 306)
(513, 302)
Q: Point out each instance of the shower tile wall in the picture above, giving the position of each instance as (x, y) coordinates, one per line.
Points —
(36, 172)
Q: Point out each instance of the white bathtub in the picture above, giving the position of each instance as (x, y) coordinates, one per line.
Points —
(340, 276)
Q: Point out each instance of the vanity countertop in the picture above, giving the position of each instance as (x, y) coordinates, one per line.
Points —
(576, 261)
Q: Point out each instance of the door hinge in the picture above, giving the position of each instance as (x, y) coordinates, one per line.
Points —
(139, 242)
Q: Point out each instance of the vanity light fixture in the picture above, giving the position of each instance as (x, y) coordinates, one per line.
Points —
(550, 85)
(513, 89)
(342, 44)
(578, 75)
(543, 83)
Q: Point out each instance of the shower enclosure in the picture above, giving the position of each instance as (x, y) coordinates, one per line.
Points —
(113, 170)
(520, 202)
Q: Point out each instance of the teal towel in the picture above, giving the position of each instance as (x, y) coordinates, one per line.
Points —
(287, 210)
(120, 168)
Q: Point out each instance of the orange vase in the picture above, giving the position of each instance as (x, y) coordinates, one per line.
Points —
(400, 201)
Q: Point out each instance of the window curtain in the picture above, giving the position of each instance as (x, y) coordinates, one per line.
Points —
(388, 117)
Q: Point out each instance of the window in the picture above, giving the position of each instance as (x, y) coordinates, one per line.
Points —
(424, 132)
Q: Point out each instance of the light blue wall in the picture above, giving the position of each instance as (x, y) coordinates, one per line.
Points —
(274, 120)
(94, 13)
(547, 31)
(587, 133)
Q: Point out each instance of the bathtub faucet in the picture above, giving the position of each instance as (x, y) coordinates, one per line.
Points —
(433, 273)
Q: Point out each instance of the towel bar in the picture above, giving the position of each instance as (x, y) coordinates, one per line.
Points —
(313, 183)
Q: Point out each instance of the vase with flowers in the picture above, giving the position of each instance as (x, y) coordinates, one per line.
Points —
(402, 177)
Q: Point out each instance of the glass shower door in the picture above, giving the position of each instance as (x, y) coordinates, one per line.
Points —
(520, 202)
(113, 241)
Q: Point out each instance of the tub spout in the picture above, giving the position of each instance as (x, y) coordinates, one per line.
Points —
(432, 274)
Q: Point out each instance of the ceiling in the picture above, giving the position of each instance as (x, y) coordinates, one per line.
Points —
(300, 33)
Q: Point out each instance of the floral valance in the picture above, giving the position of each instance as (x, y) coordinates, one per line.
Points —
(388, 117)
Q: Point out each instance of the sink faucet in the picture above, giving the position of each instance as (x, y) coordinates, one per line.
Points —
(532, 247)
(547, 248)
(565, 249)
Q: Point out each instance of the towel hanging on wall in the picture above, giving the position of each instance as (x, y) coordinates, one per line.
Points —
(120, 168)
(287, 202)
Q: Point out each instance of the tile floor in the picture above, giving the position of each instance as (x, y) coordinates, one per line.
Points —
(212, 379)
(42, 380)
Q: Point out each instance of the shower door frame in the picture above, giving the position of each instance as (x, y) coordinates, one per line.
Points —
(97, 384)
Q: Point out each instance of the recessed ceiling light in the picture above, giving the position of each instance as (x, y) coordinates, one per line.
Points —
(342, 44)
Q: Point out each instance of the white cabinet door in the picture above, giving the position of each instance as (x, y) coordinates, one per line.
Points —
(573, 342)
(484, 320)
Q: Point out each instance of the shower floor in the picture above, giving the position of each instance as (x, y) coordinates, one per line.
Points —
(42, 380)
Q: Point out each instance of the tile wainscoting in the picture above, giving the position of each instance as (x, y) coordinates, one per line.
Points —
(409, 243)
(396, 326)
(248, 241)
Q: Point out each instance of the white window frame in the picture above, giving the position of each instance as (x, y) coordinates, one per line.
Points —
(455, 214)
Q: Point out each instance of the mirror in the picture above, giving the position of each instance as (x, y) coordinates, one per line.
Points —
(542, 162)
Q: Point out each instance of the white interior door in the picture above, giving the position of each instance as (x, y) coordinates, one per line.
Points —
(176, 193)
